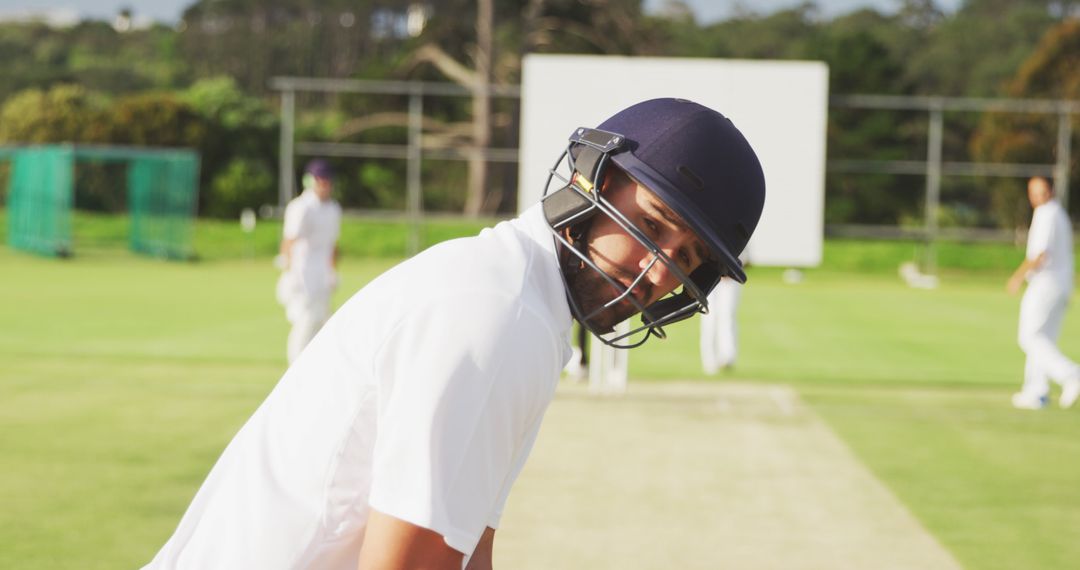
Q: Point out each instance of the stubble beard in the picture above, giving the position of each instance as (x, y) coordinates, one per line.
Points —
(590, 291)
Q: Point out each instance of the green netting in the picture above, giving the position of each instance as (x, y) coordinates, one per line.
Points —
(39, 200)
(162, 204)
(162, 187)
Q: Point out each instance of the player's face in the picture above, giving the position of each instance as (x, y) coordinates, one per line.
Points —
(1038, 192)
(623, 257)
(323, 188)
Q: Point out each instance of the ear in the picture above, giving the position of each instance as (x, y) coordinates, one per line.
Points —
(604, 184)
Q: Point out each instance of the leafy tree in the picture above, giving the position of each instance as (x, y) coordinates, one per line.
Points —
(91, 54)
(65, 113)
(608, 27)
(243, 183)
(490, 52)
(157, 119)
(785, 34)
(255, 40)
(1049, 73)
(240, 130)
(861, 63)
(221, 100)
(977, 50)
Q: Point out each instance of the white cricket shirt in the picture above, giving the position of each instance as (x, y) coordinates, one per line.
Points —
(422, 396)
(1051, 232)
(315, 225)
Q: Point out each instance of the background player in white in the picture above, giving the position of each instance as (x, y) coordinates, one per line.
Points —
(308, 256)
(393, 440)
(720, 327)
(1048, 268)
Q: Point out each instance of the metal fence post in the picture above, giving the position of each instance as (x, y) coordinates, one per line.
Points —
(1064, 150)
(933, 181)
(413, 188)
(285, 148)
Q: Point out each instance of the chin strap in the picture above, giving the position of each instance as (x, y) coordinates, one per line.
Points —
(682, 305)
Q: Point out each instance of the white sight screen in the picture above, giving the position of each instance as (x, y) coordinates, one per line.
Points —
(780, 107)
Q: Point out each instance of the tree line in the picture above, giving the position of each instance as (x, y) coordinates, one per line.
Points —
(204, 83)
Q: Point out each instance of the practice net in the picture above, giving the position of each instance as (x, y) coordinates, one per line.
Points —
(161, 186)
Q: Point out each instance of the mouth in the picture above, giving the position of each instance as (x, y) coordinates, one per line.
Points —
(631, 293)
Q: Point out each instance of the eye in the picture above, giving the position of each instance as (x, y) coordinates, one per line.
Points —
(650, 225)
(685, 259)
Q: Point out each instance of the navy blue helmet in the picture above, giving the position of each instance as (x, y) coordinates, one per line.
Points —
(319, 167)
(692, 158)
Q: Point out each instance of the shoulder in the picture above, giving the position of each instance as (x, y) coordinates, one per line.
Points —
(294, 204)
(1049, 215)
(480, 283)
(481, 337)
(495, 259)
(298, 204)
(1040, 215)
(496, 283)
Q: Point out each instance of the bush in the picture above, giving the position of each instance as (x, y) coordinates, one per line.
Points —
(157, 119)
(244, 183)
(240, 128)
(221, 100)
(65, 113)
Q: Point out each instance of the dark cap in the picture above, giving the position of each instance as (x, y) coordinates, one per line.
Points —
(319, 168)
(701, 166)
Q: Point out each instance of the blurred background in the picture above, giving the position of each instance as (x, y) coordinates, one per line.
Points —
(123, 376)
(200, 75)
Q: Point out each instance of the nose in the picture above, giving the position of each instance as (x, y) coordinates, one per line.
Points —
(659, 274)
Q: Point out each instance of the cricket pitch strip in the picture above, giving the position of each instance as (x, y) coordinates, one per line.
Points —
(702, 475)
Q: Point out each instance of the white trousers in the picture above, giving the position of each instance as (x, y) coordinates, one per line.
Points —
(608, 367)
(1041, 312)
(720, 328)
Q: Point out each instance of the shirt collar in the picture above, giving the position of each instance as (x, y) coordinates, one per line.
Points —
(533, 223)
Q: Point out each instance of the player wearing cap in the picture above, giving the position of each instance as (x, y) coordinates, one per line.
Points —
(1048, 268)
(394, 439)
(309, 256)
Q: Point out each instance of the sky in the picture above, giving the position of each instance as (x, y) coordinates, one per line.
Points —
(169, 11)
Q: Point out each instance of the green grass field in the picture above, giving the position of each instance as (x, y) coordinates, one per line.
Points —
(123, 378)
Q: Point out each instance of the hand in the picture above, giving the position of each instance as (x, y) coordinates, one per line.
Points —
(1014, 284)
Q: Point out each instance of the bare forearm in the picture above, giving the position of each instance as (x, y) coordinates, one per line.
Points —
(1029, 264)
(1016, 280)
(286, 251)
(1020, 271)
(481, 557)
(393, 544)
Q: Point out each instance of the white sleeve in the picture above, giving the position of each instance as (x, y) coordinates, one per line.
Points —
(462, 384)
(500, 504)
(293, 225)
(1040, 233)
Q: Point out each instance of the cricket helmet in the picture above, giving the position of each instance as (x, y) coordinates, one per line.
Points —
(320, 168)
(691, 157)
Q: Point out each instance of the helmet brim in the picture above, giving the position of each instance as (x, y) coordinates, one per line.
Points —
(697, 221)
